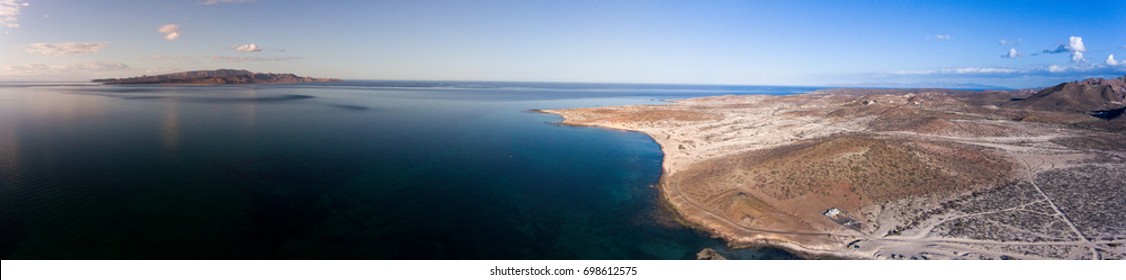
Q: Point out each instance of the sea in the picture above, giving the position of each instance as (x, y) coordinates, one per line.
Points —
(344, 170)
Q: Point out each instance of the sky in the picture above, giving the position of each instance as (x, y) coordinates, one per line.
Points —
(1003, 43)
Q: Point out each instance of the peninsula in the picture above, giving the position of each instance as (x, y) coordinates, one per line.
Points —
(214, 77)
(897, 173)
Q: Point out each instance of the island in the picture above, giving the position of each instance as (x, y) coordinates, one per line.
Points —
(214, 77)
(896, 173)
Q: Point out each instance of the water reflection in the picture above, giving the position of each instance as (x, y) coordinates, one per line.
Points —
(62, 109)
(9, 154)
(269, 172)
(250, 110)
(170, 127)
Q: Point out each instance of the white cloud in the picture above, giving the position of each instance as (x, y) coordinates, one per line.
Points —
(240, 59)
(247, 48)
(68, 48)
(44, 69)
(1077, 56)
(1110, 60)
(1006, 42)
(10, 12)
(1013, 53)
(171, 31)
(943, 37)
(213, 2)
(1075, 44)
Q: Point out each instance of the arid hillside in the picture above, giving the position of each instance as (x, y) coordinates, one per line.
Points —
(886, 173)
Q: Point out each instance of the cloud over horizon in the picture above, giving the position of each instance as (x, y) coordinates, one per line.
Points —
(247, 48)
(171, 31)
(1110, 60)
(68, 48)
(10, 12)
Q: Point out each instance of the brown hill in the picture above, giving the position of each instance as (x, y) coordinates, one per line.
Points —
(1087, 96)
(215, 77)
(795, 183)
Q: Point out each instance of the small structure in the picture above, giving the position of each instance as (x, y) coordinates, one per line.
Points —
(842, 218)
(832, 212)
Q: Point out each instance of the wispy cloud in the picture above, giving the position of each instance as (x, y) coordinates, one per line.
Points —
(213, 2)
(171, 31)
(10, 12)
(1007, 42)
(241, 59)
(960, 71)
(942, 37)
(45, 69)
(171, 57)
(1007, 72)
(247, 48)
(68, 48)
(1013, 53)
(160, 70)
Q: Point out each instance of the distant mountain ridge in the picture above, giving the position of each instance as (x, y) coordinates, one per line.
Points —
(215, 77)
(923, 85)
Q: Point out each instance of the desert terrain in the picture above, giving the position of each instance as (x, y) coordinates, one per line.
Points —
(896, 173)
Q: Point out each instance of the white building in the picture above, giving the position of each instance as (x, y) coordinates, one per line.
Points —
(832, 212)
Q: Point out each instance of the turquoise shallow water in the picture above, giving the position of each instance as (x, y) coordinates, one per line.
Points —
(351, 170)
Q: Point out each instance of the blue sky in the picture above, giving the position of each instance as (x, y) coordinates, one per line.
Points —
(699, 42)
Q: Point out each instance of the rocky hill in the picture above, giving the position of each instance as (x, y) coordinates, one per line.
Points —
(214, 77)
(1090, 95)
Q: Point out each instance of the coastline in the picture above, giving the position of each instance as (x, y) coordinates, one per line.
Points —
(879, 174)
(676, 202)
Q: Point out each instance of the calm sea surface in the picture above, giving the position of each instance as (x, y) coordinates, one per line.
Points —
(349, 170)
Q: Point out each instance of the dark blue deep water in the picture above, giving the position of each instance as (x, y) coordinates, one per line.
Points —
(349, 170)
